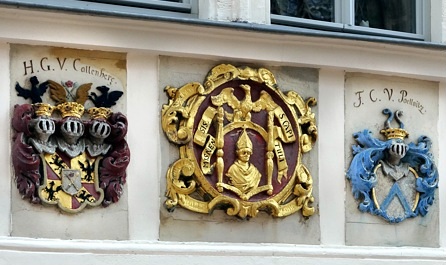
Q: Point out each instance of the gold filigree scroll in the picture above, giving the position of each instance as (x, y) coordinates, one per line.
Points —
(240, 142)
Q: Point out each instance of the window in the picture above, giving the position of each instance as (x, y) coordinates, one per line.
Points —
(317, 10)
(183, 6)
(129, 8)
(395, 18)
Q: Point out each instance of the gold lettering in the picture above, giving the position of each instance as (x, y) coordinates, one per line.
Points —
(286, 125)
(279, 151)
(204, 125)
(282, 164)
(288, 209)
(206, 156)
(194, 205)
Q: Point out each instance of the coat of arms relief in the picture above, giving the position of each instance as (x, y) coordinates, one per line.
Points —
(65, 154)
(390, 178)
(241, 141)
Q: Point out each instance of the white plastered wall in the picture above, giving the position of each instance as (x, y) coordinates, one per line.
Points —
(144, 42)
(438, 21)
(252, 11)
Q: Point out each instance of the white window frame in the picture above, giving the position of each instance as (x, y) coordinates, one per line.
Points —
(344, 21)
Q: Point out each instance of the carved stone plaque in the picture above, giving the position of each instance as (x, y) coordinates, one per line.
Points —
(240, 141)
(69, 146)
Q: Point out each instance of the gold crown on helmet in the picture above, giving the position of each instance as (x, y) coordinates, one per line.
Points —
(99, 113)
(43, 109)
(244, 141)
(71, 109)
(394, 133)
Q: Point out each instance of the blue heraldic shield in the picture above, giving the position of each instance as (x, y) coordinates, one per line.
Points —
(390, 178)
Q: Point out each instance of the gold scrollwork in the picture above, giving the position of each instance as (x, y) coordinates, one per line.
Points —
(178, 109)
(280, 184)
(306, 120)
(177, 183)
(303, 191)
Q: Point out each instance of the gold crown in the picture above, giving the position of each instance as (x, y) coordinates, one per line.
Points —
(395, 133)
(99, 113)
(244, 141)
(71, 109)
(43, 109)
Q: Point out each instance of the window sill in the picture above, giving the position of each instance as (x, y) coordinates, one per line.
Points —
(97, 9)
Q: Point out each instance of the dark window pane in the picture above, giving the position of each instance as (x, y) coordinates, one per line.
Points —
(310, 9)
(397, 15)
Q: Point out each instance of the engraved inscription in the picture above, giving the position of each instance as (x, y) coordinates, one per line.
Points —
(392, 95)
(45, 64)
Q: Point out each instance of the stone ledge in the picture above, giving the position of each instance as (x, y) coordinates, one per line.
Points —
(18, 250)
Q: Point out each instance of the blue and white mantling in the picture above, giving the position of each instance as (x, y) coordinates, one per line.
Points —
(406, 171)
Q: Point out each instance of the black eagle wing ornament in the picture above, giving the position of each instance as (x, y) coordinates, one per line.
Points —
(35, 93)
(106, 99)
